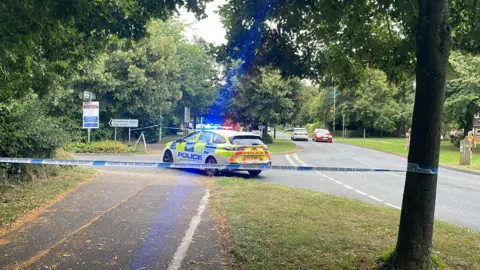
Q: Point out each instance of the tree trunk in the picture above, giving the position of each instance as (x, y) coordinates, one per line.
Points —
(414, 241)
(468, 124)
(194, 122)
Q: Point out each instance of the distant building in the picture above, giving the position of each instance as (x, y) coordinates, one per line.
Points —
(476, 125)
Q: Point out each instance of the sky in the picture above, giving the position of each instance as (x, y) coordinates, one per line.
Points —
(211, 29)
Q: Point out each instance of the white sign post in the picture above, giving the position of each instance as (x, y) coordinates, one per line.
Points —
(91, 115)
(123, 123)
(186, 119)
(131, 123)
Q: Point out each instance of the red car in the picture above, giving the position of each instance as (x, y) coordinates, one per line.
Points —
(322, 135)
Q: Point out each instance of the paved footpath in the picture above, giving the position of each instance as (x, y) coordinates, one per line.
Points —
(140, 218)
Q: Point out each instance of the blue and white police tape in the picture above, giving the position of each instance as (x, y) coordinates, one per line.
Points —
(105, 163)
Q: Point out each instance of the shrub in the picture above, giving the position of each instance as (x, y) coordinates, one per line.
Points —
(26, 131)
(311, 127)
(98, 147)
(267, 139)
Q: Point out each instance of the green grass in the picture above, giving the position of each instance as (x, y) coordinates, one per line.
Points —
(169, 138)
(20, 199)
(286, 228)
(281, 146)
(449, 155)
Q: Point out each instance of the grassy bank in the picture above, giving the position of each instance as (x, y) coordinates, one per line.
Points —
(281, 146)
(449, 155)
(287, 228)
(20, 199)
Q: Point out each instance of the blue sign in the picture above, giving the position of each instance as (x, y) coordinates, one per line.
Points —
(90, 125)
(91, 114)
(261, 127)
(90, 119)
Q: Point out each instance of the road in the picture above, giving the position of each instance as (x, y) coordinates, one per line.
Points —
(126, 218)
(458, 193)
(148, 218)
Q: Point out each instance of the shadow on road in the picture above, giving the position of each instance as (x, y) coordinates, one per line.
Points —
(240, 174)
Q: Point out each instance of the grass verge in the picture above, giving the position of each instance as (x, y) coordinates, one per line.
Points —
(281, 146)
(449, 154)
(286, 228)
(18, 200)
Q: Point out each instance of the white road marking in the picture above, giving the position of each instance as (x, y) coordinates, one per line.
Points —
(363, 193)
(299, 160)
(187, 239)
(360, 162)
(375, 198)
(295, 156)
(394, 206)
(289, 159)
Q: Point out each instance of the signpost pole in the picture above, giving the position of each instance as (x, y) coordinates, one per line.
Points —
(129, 132)
(88, 132)
(115, 134)
(364, 134)
(160, 133)
(334, 109)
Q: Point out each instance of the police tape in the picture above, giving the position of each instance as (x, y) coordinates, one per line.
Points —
(245, 167)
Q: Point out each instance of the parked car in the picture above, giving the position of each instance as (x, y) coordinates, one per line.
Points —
(322, 135)
(226, 147)
(299, 134)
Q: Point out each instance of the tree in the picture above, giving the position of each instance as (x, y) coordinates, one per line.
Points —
(382, 34)
(198, 79)
(414, 244)
(44, 41)
(373, 88)
(145, 79)
(265, 97)
(463, 90)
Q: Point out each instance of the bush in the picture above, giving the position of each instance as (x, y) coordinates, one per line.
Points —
(26, 131)
(311, 127)
(457, 140)
(267, 139)
(98, 147)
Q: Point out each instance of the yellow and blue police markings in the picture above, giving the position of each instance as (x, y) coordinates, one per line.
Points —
(198, 152)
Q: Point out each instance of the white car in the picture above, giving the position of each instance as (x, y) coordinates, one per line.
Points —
(299, 134)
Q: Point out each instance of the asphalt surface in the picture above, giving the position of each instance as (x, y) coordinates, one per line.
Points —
(127, 218)
(458, 193)
(149, 218)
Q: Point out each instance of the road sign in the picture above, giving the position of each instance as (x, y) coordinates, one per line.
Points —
(88, 95)
(123, 123)
(187, 115)
(91, 114)
(261, 127)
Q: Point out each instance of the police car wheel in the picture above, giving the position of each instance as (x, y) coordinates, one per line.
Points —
(211, 172)
(254, 173)
(168, 157)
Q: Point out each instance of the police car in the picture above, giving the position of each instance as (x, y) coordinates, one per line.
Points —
(218, 147)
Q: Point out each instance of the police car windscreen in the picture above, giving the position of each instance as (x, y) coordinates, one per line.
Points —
(246, 140)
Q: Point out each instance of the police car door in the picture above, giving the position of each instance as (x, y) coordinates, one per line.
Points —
(184, 150)
(204, 139)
